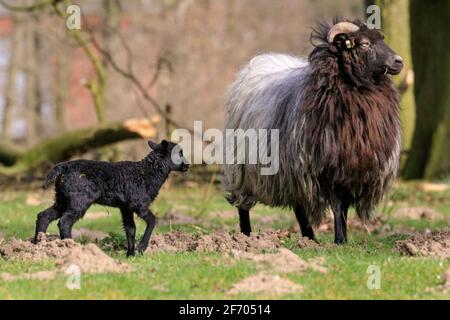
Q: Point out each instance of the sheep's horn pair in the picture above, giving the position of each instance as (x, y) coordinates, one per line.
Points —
(341, 27)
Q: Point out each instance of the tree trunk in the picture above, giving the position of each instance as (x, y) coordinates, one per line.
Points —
(60, 85)
(395, 27)
(430, 25)
(30, 83)
(11, 87)
(67, 145)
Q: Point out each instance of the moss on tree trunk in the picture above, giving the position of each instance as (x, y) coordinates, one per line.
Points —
(395, 27)
(430, 25)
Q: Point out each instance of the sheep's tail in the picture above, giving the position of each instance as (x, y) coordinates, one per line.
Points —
(53, 174)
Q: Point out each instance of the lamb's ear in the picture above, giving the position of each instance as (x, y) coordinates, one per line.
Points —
(164, 146)
(152, 145)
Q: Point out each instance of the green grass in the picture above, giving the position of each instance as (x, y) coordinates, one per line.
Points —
(194, 275)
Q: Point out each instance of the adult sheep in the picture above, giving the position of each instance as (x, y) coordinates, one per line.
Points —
(339, 131)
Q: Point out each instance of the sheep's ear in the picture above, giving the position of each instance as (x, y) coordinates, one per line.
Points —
(152, 145)
(343, 42)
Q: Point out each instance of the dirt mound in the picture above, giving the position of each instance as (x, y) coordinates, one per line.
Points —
(176, 241)
(89, 258)
(46, 248)
(265, 283)
(217, 241)
(417, 213)
(305, 242)
(284, 261)
(434, 244)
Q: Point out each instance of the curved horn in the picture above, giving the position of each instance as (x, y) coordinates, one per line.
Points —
(341, 27)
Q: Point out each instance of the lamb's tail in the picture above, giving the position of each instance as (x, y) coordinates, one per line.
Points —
(53, 174)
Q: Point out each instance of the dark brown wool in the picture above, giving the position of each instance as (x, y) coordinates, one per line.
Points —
(338, 118)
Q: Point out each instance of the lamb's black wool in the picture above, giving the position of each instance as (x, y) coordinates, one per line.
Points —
(129, 186)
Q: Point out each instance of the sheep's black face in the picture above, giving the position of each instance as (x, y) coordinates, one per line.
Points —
(367, 52)
(172, 154)
(378, 56)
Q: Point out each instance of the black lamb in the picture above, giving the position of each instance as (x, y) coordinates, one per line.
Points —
(129, 186)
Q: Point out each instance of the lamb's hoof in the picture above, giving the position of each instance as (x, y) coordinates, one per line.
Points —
(131, 254)
(141, 250)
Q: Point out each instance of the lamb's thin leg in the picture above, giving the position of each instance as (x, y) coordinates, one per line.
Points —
(44, 219)
(73, 213)
(130, 229)
(340, 221)
(244, 221)
(149, 218)
(303, 221)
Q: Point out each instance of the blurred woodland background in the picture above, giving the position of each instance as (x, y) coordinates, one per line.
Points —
(139, 69)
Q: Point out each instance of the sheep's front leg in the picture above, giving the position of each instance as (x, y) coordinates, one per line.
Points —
(149, 218)
(340, 221)
(303, 221)
(244, 221)
(130, 229)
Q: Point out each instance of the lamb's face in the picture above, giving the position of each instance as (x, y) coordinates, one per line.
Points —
(172, 154)
(177, 160)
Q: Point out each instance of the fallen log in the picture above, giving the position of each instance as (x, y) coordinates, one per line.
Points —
(63, 147)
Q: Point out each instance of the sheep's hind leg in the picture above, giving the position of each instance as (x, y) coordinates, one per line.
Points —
(130, 229)
(244, 221)
(340, 209)
(303, 221)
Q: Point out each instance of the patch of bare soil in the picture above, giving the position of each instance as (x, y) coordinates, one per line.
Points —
(434, 187)
(178, 217)
(227, 214)
(266, 284)
(89, 258)
(417, 213)
(90, 235)
(433, 244)
(217, 241)
(374, 225)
